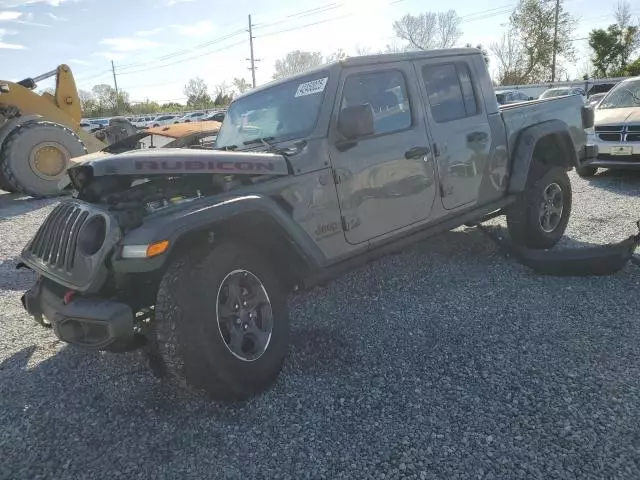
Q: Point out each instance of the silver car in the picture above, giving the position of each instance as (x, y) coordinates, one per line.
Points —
(616, 132)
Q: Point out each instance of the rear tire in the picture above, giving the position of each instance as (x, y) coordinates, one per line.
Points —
(35, 157)
(540, 216)
(195, 343)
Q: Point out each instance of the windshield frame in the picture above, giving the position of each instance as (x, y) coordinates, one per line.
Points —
(298, 79)
(621, 85)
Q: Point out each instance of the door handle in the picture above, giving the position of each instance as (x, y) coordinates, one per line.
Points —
(417, 152)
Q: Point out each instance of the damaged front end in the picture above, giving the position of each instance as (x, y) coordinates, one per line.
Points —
(597, 260)
(79, 292)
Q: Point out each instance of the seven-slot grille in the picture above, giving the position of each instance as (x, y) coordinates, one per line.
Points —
(618, 133)
(56, 240)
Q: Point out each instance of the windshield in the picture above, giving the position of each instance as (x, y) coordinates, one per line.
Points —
(623, 95)
(285, 111)
(560, 92)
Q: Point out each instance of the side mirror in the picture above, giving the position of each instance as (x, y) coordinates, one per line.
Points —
(356, 121)
(531, 98)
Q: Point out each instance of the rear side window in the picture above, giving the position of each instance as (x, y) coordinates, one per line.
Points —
(450, 91)
(386, 92)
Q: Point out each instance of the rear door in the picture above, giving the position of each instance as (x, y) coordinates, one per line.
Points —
(459, 126)
(385, 181)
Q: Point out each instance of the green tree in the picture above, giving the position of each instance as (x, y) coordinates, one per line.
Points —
(108, 102)
(525, 52)
(241, 85)
(197, 93)
(614, 46)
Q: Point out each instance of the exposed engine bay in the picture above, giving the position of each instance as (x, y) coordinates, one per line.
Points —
(131, 199)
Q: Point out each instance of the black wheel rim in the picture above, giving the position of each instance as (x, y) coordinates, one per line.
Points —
(551, 207)
(244, 315)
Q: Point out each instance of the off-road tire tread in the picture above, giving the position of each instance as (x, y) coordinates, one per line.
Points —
(6, 170)
(519, 216)
(172, 309)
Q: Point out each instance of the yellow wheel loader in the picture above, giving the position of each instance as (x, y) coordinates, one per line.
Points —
(40, 133)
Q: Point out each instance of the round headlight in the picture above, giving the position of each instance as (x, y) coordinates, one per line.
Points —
(92, 235)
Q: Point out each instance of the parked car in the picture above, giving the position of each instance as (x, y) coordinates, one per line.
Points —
(563, 92)
(594, 99)
(89, 126)
(214, 116)
(142, 122)
(193, 117)
(191, 253)
(507, 97)
(616, 131)
(200, 135)
(161, 120)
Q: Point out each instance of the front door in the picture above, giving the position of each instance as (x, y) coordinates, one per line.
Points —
(385, 181)
(460, 128)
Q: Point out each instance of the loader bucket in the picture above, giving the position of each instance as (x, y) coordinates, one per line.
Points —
(575, 262)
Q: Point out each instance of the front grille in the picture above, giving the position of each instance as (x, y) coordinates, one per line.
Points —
(618, 133)
(608, 128)
(610, 137)
(56, 240)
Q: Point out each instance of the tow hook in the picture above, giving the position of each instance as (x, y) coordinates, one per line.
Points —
(68, 297)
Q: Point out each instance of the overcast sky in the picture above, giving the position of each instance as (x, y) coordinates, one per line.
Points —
(157, 45)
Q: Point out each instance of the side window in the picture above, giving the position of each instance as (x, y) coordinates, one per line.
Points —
(470, 102)
(450, 91)
(386, 93)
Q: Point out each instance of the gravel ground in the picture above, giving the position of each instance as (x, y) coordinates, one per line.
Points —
(446, 361)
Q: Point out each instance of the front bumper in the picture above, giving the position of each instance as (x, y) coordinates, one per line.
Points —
(604, 158)
(87, 322)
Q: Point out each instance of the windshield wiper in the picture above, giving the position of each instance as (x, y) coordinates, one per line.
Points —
(265, 140)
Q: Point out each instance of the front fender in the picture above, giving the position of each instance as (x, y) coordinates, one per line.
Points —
(203, 216)
(526, 144)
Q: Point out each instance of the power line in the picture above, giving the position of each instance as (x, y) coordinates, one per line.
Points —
(204, 54)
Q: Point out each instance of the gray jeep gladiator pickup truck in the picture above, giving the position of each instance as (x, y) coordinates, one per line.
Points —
(189, 254)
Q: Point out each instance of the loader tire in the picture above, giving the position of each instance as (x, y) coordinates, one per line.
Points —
(207, 344)
(35, 156)
(6, 186)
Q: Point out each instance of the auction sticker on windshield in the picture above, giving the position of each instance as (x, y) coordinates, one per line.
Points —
(309, 88)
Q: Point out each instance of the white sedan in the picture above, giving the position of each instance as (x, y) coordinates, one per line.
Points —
(162, 120)
(193, 117)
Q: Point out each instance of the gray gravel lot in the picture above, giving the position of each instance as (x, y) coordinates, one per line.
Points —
(446, 361)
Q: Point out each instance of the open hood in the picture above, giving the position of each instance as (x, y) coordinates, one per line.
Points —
(178, 161)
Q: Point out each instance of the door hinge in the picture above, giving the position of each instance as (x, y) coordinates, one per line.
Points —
(336, 176)
(441, 188)
(343, 221)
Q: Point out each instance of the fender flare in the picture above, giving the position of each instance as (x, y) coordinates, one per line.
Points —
(175, 227)
(526, 144)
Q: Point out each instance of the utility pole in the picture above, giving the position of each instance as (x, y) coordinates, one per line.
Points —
(253, 65)
(115, 84)
(555, 43)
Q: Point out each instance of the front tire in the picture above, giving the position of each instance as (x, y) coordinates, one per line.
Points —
(222, 323)
(540, 216)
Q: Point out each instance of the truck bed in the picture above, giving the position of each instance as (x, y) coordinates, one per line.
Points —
(518, 116)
